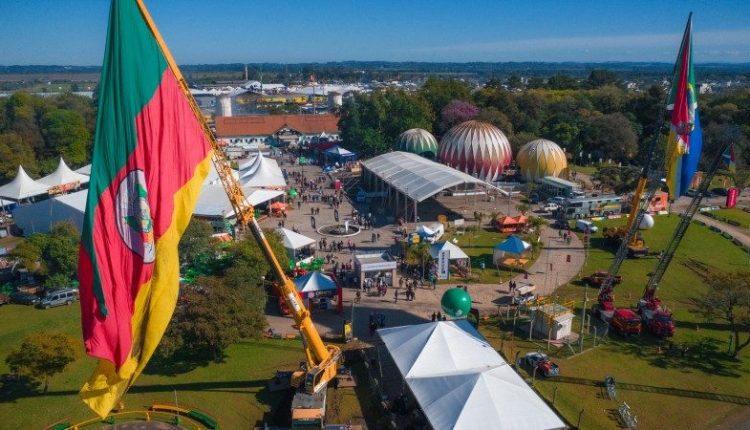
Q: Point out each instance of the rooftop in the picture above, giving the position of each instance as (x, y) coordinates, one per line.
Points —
(265, 125)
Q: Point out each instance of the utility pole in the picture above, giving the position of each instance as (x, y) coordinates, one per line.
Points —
(583, 316)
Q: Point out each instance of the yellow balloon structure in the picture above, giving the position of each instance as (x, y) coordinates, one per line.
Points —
(540, 158)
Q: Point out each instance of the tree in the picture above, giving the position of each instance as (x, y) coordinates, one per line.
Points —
(210, 317)
(13, 153)
(562, 82)
(612, 135)
(600, 77)
(523, 208)
(728, 299)
(61, 250)
(197, 240)
(514, 82)
(43, 355)
(619, 179)
(29, 252)
(456, 112)
(439, 92)
(493, 116)
(65, 134)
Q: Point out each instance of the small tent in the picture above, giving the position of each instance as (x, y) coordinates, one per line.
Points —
(461, 382)
(454, 252)
(510, 252)
(318, 288)
(22, 187)
(339, 155)
(510, 224)
(63, 176)
(294, 242)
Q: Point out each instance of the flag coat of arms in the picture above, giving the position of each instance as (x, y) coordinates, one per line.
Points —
(685, 142)
(151, 154)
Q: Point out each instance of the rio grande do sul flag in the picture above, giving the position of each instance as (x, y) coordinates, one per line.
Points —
(684, 143)
(150, 157)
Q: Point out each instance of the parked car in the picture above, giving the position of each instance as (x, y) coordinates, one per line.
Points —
(550, 207)
(545, 367)
(24, 298)
(586, 226)
(63, 296)
(4, 299)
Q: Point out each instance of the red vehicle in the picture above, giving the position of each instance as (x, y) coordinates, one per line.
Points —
(626, 322)
(597, 278)
(658, 320)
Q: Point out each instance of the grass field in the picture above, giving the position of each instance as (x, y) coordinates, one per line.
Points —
(735, 214)
(233, 391)
(665, 390)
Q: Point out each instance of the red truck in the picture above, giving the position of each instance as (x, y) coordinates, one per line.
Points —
(626, 322)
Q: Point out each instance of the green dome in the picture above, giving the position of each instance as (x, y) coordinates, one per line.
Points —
(418, 141)
(456, 302)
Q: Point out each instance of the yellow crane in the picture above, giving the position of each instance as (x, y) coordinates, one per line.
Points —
(322, 360)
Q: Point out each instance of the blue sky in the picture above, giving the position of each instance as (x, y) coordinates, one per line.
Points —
(71, 32)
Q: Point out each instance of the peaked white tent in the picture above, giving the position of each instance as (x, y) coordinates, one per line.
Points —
(461, 382)
(85, 170)
(22, 187)
(63, 175)
(261, 172)
(454, 252)
(315, 282)
(293, 241)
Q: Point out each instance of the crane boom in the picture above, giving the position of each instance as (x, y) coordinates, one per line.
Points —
(653, 282)
(322, 359)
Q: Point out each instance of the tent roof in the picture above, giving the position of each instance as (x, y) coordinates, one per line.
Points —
(314, 281)
(85, 170)
(416, 176)
(63, 175)
(513, 244)
(339, 151)
(461, 382)
(22, 187)
(213, 200)
(294, 240)
(260, 171)
(454, 251)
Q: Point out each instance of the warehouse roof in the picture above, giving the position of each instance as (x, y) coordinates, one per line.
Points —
(416, 176)
(266, 125)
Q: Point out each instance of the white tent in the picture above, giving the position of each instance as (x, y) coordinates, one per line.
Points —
(213, 201)
(22, 187)
(293, 241)
(63, 175)
(261, 172)
(85, 170)
(39, 217)
(454, 252)
(461, 382)
(313, 282)
(213, 176)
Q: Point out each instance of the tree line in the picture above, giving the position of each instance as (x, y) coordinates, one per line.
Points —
(595, 118)
(35, 131)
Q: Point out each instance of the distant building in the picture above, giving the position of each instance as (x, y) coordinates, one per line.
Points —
(276, 130)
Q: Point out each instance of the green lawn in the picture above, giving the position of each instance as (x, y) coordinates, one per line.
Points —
(478, 245)
(234, 391)
(734, 214)
(588, 169)
(710, 384)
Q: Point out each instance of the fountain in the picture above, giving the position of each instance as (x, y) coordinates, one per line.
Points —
(339, 230)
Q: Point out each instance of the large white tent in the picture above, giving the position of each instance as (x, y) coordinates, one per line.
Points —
(63, 175)
(461, 382)
(213, 201)
(85, 170)
(41, 216)
(454, 252)
(315, 282)
(261, 172)
(22, 187)
(293, 241)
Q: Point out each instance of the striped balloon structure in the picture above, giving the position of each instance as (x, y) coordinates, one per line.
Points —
(418, 141)
(477, 148)
(540, 158)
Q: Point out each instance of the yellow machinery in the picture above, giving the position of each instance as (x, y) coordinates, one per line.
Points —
(637, 246)
(322, 360)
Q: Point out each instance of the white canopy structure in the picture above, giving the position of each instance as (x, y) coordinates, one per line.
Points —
(454, 252)
(41, 216)
(293, 241)
(314, 282)
(63, 175)
(261, 172)
(213, 201)
(22, 187)
(85, 170)
(461, 382)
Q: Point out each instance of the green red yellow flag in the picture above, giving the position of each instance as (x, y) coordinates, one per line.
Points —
(150, 157)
